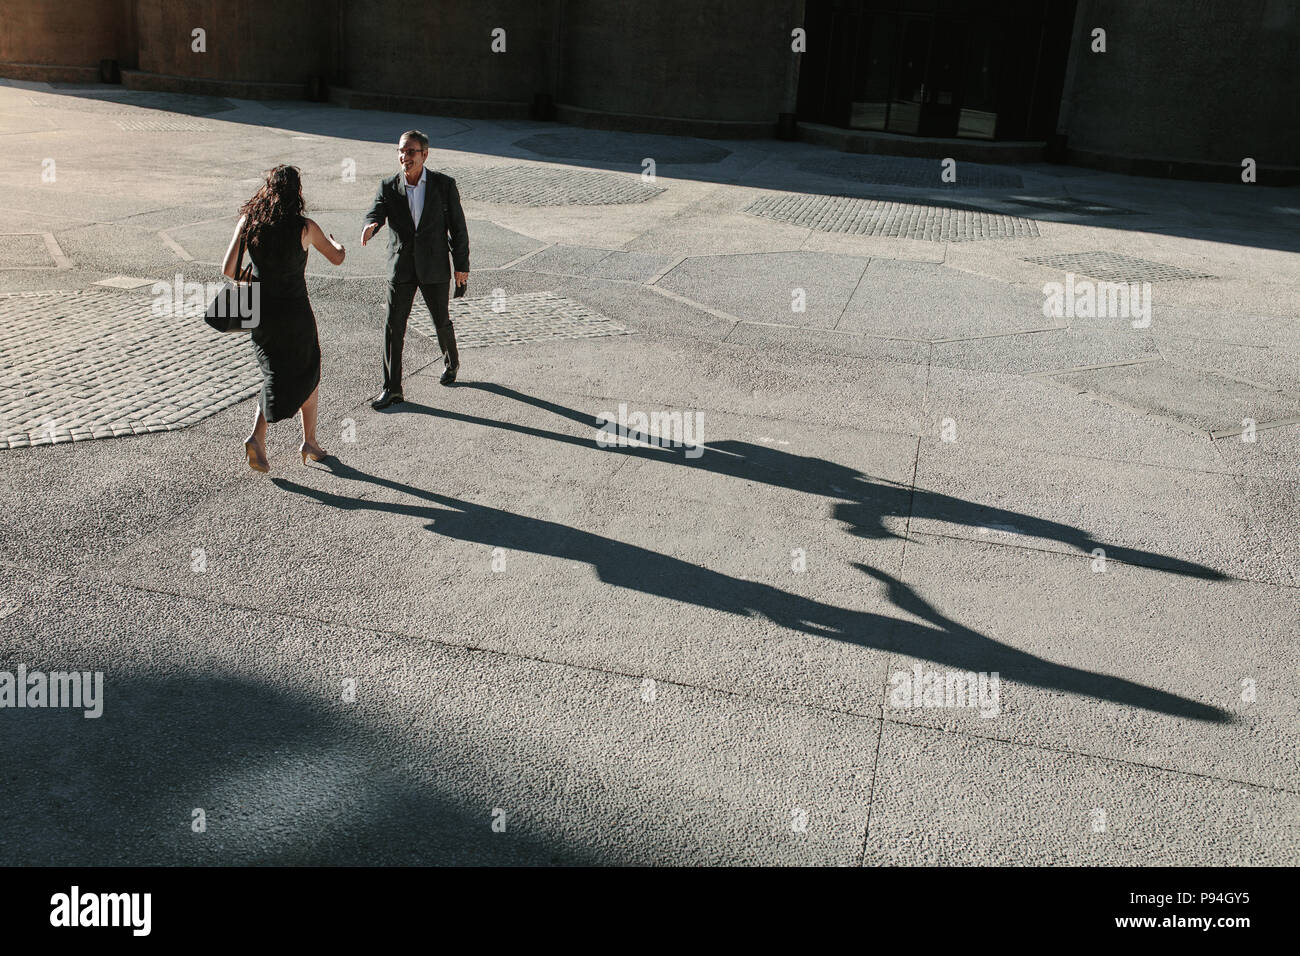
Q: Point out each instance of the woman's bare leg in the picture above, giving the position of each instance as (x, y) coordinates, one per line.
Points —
(309, 413)
(258, 437)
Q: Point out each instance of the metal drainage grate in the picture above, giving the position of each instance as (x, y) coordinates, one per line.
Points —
(524, 317)
(79, 365)
(94, 101)
(1114, 267)
(165, 126)
(901, 220)
(906, 171)
(549, 186)
(1079, 207)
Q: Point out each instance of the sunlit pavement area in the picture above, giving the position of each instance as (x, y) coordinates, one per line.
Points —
(477, 636)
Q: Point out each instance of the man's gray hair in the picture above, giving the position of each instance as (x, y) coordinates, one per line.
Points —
(416, 135)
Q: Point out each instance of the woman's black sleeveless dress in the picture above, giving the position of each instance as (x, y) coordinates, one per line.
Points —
(285, 340)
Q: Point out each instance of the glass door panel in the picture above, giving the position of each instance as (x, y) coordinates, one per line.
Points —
(870, 106)
(913, 52)
(940, 106)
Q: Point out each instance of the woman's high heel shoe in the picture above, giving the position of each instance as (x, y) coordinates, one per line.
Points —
(306, 453)
(253, 463)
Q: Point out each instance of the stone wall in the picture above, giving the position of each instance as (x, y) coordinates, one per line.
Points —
(1185, 86)
(49, 40)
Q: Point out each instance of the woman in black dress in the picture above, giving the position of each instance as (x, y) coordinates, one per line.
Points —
(278, 236)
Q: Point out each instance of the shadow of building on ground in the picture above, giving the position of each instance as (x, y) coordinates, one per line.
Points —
(283, 779)
(1255, 220)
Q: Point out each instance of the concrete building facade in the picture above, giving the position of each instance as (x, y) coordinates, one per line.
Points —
(1186, 88)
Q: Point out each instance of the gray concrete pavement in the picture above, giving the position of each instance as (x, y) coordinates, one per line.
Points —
(476, 636)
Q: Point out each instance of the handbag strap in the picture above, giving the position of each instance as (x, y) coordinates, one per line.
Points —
(239, 256)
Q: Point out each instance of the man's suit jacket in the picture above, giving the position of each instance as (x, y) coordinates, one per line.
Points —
(418, 252)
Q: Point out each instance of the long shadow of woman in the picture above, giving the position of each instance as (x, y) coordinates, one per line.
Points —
(640, 569)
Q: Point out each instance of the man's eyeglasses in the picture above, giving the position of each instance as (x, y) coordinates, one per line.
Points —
(412, 149)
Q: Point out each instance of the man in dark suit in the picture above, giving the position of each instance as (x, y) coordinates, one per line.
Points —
(422, 209)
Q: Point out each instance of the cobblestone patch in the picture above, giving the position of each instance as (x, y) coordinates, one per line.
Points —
(906, 171)
(624, 148)
(1114, 267)
(524, 317)
(97, 364)
(899, 220)
(548, 186)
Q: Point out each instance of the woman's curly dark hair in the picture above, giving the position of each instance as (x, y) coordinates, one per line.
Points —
(277, 204)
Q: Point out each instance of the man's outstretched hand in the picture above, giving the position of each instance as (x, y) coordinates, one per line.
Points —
(369, 231)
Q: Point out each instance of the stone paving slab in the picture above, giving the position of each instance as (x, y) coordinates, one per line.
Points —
(631, 266)
(565, 260)
(1082, 672)
(813, 343)
(1030, 352)
(792, 268)
(1010, 410)
(25, 252)
(1272, 455)
(289, 774)
(1188, 522)
(931, 302)
(494, 246)
(1273, 368)
(770, 299)
(1028, 807)
(1206, 402)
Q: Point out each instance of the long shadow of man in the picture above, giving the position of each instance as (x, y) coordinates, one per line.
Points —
(863, 502)
(640, 569)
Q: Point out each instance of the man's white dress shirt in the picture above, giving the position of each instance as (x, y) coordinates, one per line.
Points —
(415, 196)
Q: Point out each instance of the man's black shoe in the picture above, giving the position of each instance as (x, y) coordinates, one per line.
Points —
(449, 376)
(387, 397)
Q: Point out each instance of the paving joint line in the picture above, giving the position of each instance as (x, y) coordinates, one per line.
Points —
(818, 328)
(1273, 788)
(861, 275)
(588, 668)
(922, 432)
(889, 657)
(1000, 335)
(1222, 575)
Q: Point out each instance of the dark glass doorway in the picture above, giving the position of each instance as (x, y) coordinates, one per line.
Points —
(941, 68)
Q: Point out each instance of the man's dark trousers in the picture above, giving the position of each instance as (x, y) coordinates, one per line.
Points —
(400, 297)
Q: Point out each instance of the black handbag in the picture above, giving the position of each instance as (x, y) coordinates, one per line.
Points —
(234, 308)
